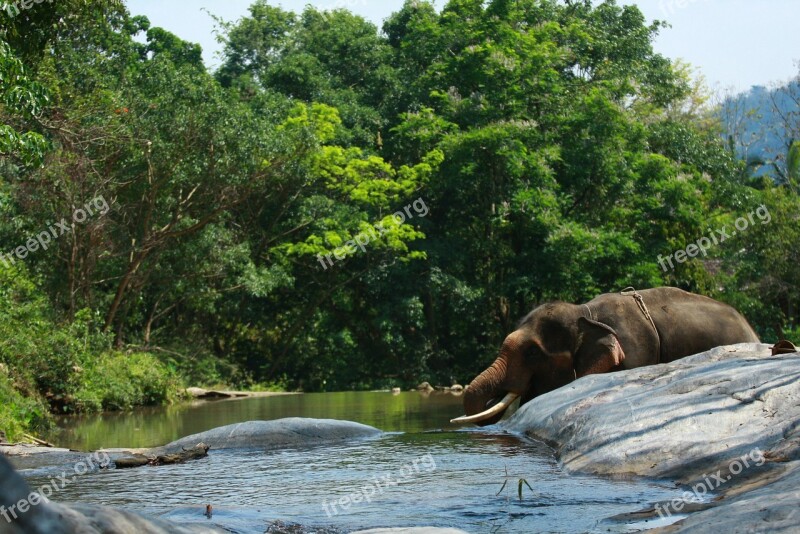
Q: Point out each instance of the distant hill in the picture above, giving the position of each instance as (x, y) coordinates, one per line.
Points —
(762, 123)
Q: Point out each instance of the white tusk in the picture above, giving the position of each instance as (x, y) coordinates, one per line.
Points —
(494, 410)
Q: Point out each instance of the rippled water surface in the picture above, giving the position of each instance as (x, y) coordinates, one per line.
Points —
(421, 473)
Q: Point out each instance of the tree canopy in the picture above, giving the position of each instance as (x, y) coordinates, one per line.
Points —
(493, 155)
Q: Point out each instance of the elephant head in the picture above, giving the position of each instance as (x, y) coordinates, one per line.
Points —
(555, 344)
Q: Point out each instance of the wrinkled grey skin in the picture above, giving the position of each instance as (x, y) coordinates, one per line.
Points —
(559, 342)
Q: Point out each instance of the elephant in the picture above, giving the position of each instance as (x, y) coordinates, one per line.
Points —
(558, 342)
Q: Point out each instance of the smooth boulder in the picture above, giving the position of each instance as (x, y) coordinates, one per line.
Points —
(727, 420)
(280, 433)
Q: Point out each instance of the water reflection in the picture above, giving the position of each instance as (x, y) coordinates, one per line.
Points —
(149, 427)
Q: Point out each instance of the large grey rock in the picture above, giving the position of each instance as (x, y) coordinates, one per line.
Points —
(280, 433)
(674, 420)
(768, 504)
(733, 412)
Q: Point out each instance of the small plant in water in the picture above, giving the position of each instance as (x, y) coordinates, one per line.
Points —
(519, 485)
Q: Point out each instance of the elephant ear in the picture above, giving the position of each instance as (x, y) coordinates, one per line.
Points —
(600, 351)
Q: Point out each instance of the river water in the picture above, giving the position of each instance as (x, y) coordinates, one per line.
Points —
(423, 471)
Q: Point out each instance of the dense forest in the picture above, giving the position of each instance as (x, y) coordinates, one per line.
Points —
(340, 206)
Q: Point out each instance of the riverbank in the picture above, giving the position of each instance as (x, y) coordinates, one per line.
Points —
(724, 425)
(717, 433)
(51, 367)
(216, 394)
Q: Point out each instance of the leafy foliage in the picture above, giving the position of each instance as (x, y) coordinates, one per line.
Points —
(22, 97)
(556, 156)
(117, 381)
(19, 413)
(66, 366)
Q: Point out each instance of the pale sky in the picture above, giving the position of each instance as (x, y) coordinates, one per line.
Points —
(735, 43)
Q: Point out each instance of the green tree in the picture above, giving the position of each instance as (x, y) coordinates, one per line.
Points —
(19, 97)
(333, 57)
(556, 156)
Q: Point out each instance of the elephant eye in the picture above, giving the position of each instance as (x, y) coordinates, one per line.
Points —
(562, 360)
(533, 352)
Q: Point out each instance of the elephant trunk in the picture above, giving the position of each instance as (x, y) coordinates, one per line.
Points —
(491, 392)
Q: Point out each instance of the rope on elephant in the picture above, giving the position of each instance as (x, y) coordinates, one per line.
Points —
(631, 292)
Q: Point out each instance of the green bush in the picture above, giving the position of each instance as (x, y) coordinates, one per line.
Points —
(43, 355)
(47, 366)
(120, 381)
(19, 414)
(197, 366)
